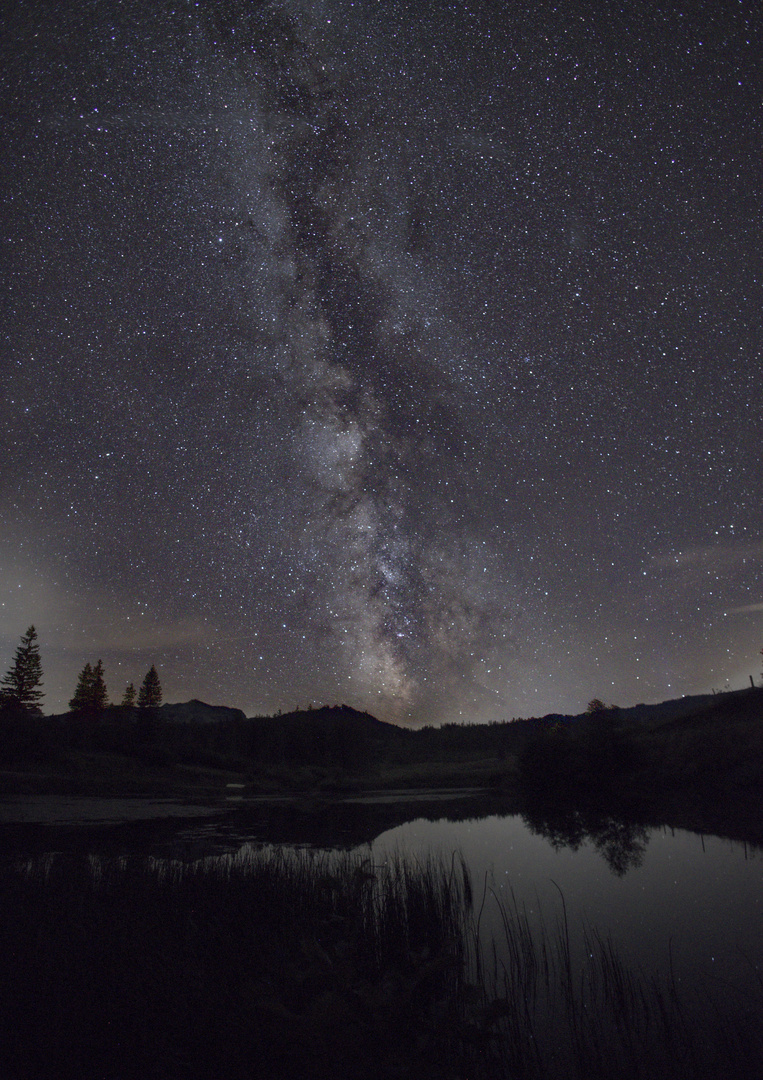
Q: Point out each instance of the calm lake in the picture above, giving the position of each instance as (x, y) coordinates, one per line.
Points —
(663, 896)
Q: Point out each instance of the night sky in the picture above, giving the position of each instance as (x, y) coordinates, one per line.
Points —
(407, 355)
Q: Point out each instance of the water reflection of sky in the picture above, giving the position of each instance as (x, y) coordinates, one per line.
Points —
(699, 896)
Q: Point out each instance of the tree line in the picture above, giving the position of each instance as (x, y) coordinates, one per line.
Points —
(20, 687)
(91, 695)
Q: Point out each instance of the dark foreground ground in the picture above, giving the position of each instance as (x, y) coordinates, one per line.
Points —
(315, 967)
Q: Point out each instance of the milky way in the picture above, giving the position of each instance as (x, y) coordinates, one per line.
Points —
(401, 355)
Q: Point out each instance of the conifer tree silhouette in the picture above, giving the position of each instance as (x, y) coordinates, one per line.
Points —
(19, 688)
(150, 693)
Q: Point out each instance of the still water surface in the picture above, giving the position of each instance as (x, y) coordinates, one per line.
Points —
(697, 899)
(663, 896)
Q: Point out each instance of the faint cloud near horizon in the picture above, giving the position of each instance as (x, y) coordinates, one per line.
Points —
(745, 609)
(112, 632)
(710, 554)
(73, 619)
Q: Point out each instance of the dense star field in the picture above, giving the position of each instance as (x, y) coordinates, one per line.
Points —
(403, 355)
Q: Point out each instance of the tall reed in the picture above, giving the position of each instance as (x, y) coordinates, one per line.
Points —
(301, 964)
(272, 963)
(559, 1012)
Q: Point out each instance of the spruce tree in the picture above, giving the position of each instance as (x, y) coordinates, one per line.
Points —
(19, 688)
(83, 693)
(129, 697)
(150, 693)
(99, 697)
(90, 695)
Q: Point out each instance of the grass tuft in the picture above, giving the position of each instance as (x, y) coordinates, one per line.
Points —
(301, 964)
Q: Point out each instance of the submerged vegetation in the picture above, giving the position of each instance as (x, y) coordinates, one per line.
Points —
(295, 965)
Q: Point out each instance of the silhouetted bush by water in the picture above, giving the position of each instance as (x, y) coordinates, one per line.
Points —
(593, 754)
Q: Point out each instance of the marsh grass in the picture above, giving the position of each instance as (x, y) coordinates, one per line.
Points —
(564, 1010)
(308, 965)
(270, 964)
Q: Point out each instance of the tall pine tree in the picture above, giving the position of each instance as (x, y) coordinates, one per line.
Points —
(150, 693)
(90, 695)
(129, 696)
(100, 697)
(19, 688)
(83, 691)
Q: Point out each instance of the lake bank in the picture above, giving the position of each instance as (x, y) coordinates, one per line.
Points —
(194, 826)
(701, 769)
(734, 815)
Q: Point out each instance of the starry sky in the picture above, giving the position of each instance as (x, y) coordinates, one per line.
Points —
(407, 355)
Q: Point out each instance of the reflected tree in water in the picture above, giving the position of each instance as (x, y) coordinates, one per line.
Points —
(622, 844)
